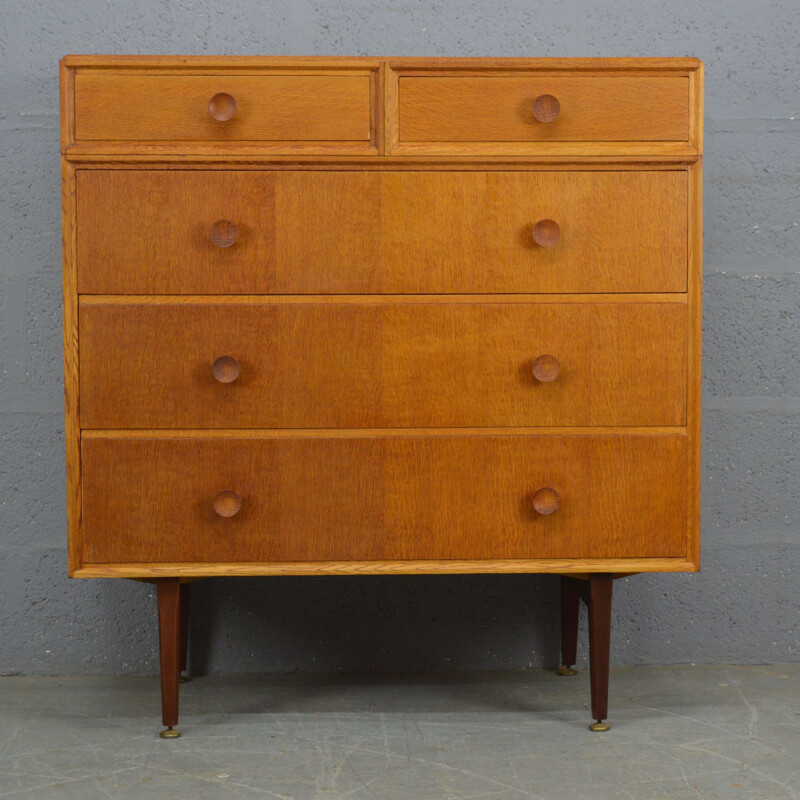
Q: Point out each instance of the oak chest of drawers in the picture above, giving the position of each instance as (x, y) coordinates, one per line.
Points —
(367, 316)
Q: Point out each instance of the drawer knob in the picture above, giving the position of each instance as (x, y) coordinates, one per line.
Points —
(227, 503)
(222, 107)
(546, 369)
(546, 108)
(546, 232)
(223, 233)
(545, 501)
(226, 369)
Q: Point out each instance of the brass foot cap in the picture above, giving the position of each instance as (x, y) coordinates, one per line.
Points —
(562, 670)
(169, 733)
(599, 727)
(184, 678)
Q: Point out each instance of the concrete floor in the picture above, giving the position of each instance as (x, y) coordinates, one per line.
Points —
(677, 732)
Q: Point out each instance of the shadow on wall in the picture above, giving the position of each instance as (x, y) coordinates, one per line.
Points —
(374, 624)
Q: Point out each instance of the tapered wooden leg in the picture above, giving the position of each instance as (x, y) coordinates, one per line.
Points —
(570, 602)
(169, 637)
(184, 601)
(598, 595)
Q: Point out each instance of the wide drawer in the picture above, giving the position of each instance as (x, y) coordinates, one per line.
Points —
(323, 364)
(373, 498)
(448, 110)
(223, 107)
(208, 232)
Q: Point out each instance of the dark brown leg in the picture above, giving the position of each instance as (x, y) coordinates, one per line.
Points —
(184, 601)
(570, 602)
(599, 603)
(169, 634)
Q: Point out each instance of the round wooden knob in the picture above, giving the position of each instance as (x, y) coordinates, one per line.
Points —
(546, 232)
(222, 107)
(226, 369)
(223, 233)
(545, 501)
(546, 108)
(227, 503)
(546, 369)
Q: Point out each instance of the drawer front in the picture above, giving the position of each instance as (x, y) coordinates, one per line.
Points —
(197, 232)
(374, 498)
(542, 108)
(381, 364)
(126, 107)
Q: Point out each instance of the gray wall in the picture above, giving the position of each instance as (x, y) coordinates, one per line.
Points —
(745, 604)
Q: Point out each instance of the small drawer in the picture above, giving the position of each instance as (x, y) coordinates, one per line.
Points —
(226, 107)
(376, 365)
(367, 498)
(307, 232)
(510, 112)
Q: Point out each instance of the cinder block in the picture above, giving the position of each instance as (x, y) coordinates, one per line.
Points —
(751, 330)
(32, 484)
(743, 607)
(31, 341)
(751, 196)
(751, 495)
(51, 625)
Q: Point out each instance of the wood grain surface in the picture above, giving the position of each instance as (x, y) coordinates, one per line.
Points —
(349, 231)
(500, 108)
(163, 108)
(194, 570)
(324, 365)
(152, 231)
(409, 497)
(72, 432)
(695, 358)
(301, 338)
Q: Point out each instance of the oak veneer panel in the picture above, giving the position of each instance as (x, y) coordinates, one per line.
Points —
(307, 499)
(495, 108)
(131, 107)
(620, 232)
(695, 356)
(71, 363)
(145, 232)
(328, 230)
(189, 570)
(345, 365)
(150, 231)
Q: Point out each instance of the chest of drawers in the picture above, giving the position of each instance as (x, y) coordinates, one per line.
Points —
(368, 316)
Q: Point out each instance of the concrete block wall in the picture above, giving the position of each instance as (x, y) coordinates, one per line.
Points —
(743, 607)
